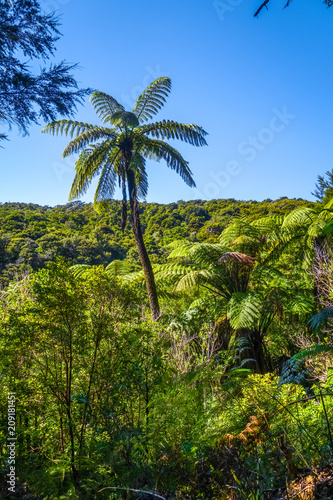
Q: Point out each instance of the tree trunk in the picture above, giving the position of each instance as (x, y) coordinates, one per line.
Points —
(144, 259)
(255, 350)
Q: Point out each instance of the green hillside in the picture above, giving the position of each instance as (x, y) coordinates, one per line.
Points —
(32, 235)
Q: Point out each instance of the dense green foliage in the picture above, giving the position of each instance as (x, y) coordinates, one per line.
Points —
(227, 396)
(31, 235)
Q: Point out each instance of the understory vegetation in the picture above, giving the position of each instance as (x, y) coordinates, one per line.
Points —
(227, 396)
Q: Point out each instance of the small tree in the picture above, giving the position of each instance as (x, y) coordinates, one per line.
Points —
(324, 187)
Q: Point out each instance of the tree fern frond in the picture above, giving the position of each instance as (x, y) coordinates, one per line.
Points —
(124, 119)
(318, 319)
(137, 277)
(84, 139)
(328, 228)
(244, 309)
(313, 351)
(89, 164)
(106, 186)
(300, 304)
(159, 150)
(167, 129)
(190, 280)
(316, 228)
(117, 268)
(206, 253)
(294, 372)
(138, 164)
(67, 127)
(237, 229)
(80, 270)
(105, 105)
(300, 216)
(152, 99)
(181, 249)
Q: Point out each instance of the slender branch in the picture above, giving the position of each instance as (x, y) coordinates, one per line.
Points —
(264, 4)
(135, 491)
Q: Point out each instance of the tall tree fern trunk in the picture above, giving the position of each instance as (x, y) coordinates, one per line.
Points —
(144, 258)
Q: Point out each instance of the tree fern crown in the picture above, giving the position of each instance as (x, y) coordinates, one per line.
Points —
(124, 142)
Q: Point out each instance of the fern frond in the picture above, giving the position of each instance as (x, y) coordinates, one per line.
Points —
(89, 164)
(294, 372)
(316, 350)
(152, 99)
(318, 319)
(238, 229)
(190, 280)
(117, 268)
(316, 228)
(67, 127)
(167, 129)
(300, 216)
(299, 304)
(105, 105)
(206, 253)
(244, 309)
(80, 270)
(86, 138)
(138, 164)
(181, 249)
(106, 185)
(159, 150)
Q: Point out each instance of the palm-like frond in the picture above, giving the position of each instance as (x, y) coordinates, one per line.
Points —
(202, 253)
(81, 270)
(118, 268)
(91, 161)
(88, 136)
(239, 228)
(300, 216)
(167, 129)
(106, 185)
(67, 127)
(105, 105)
(138, 164)
(244, 309)
(159, 150)
(190, 280)
(299, 304)
(318, 319)
(316, 350)
(152, 99)
(328, 228)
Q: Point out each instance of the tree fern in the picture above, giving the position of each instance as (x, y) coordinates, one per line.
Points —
(318, 319)
(244, 309)
(152, 99)
(119, 152)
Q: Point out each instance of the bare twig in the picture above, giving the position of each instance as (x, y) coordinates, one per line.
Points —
(131, 489)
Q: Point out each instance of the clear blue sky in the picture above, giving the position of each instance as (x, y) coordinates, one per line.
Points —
(261, 88)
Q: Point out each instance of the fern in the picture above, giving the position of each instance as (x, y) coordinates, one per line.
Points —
(105, 105)
(316, 350)
(244, 309)
(117, 268)
(168, 129)
(295, 372)
(318, 319)
(152, 99)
